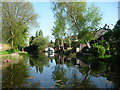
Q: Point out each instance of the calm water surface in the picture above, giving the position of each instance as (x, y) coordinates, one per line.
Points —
(40, 71)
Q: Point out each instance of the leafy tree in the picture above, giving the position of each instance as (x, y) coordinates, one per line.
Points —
(58, 30)
(31, 40)
(116, 36)
(40, 33)
(99, 48)
(37, 34)
(113, 37)
(82, 21)
(51, 44)
(17, 17)
(40, 42)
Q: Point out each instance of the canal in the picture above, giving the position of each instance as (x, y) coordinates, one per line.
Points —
(59, 71)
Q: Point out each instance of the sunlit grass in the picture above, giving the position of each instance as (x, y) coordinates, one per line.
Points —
(8, 52)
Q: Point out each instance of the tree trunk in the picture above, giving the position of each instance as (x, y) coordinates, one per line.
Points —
(69, 43)
(58, 44)
(12, 42)
(87, 44)
(62, 43)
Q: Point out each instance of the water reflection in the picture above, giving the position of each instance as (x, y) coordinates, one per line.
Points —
(93, 75)
(15, 75)
(41, 71)
(50, 54)
(39, 61)
(71, 78)
(67, 75)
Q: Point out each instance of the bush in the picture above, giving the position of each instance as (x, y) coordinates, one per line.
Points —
(98, 50)
(40, 42)
(104, 43)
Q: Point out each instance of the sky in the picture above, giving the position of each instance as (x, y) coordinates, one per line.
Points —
(46, 16)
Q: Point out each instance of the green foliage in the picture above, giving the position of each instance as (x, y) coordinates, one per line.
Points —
(4, 52)
(51, 44)
(9, 51)
(113, 37)
(58, 30)
(74, 45)
(81, 42)
(40, 42)
(116, 36)
(77, 18)
(41, 33)
(31, 40)
(37, 34)
(104, 43)
(99, 48)
(86, 35)
(17, 18)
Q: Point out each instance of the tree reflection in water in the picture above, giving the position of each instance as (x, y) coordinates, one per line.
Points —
(80, 76)
(69, 76)
(15, 75)
(39, 61)
(62, 72)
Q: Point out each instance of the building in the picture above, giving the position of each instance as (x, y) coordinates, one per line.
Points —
(100, 33)
(119, 10)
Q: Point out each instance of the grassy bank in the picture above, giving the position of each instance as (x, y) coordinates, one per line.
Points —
(9, 52)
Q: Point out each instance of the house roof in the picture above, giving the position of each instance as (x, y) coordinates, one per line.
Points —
(100, 33)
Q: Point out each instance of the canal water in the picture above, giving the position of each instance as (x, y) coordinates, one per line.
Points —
(49, 71)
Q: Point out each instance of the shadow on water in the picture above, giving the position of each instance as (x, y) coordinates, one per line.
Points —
(40, 71)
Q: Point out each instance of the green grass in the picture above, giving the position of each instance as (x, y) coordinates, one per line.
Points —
(4, 52)
(8, 52)
(106, 56)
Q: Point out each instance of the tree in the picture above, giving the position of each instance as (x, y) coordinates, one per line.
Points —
(113, 37)
(40, 42)
(40, 33)
(79, 18)
(37, 34)
(58, 30)
(17, 17)
(90, 24)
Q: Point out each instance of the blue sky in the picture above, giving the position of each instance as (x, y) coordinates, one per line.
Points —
(46, 19)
